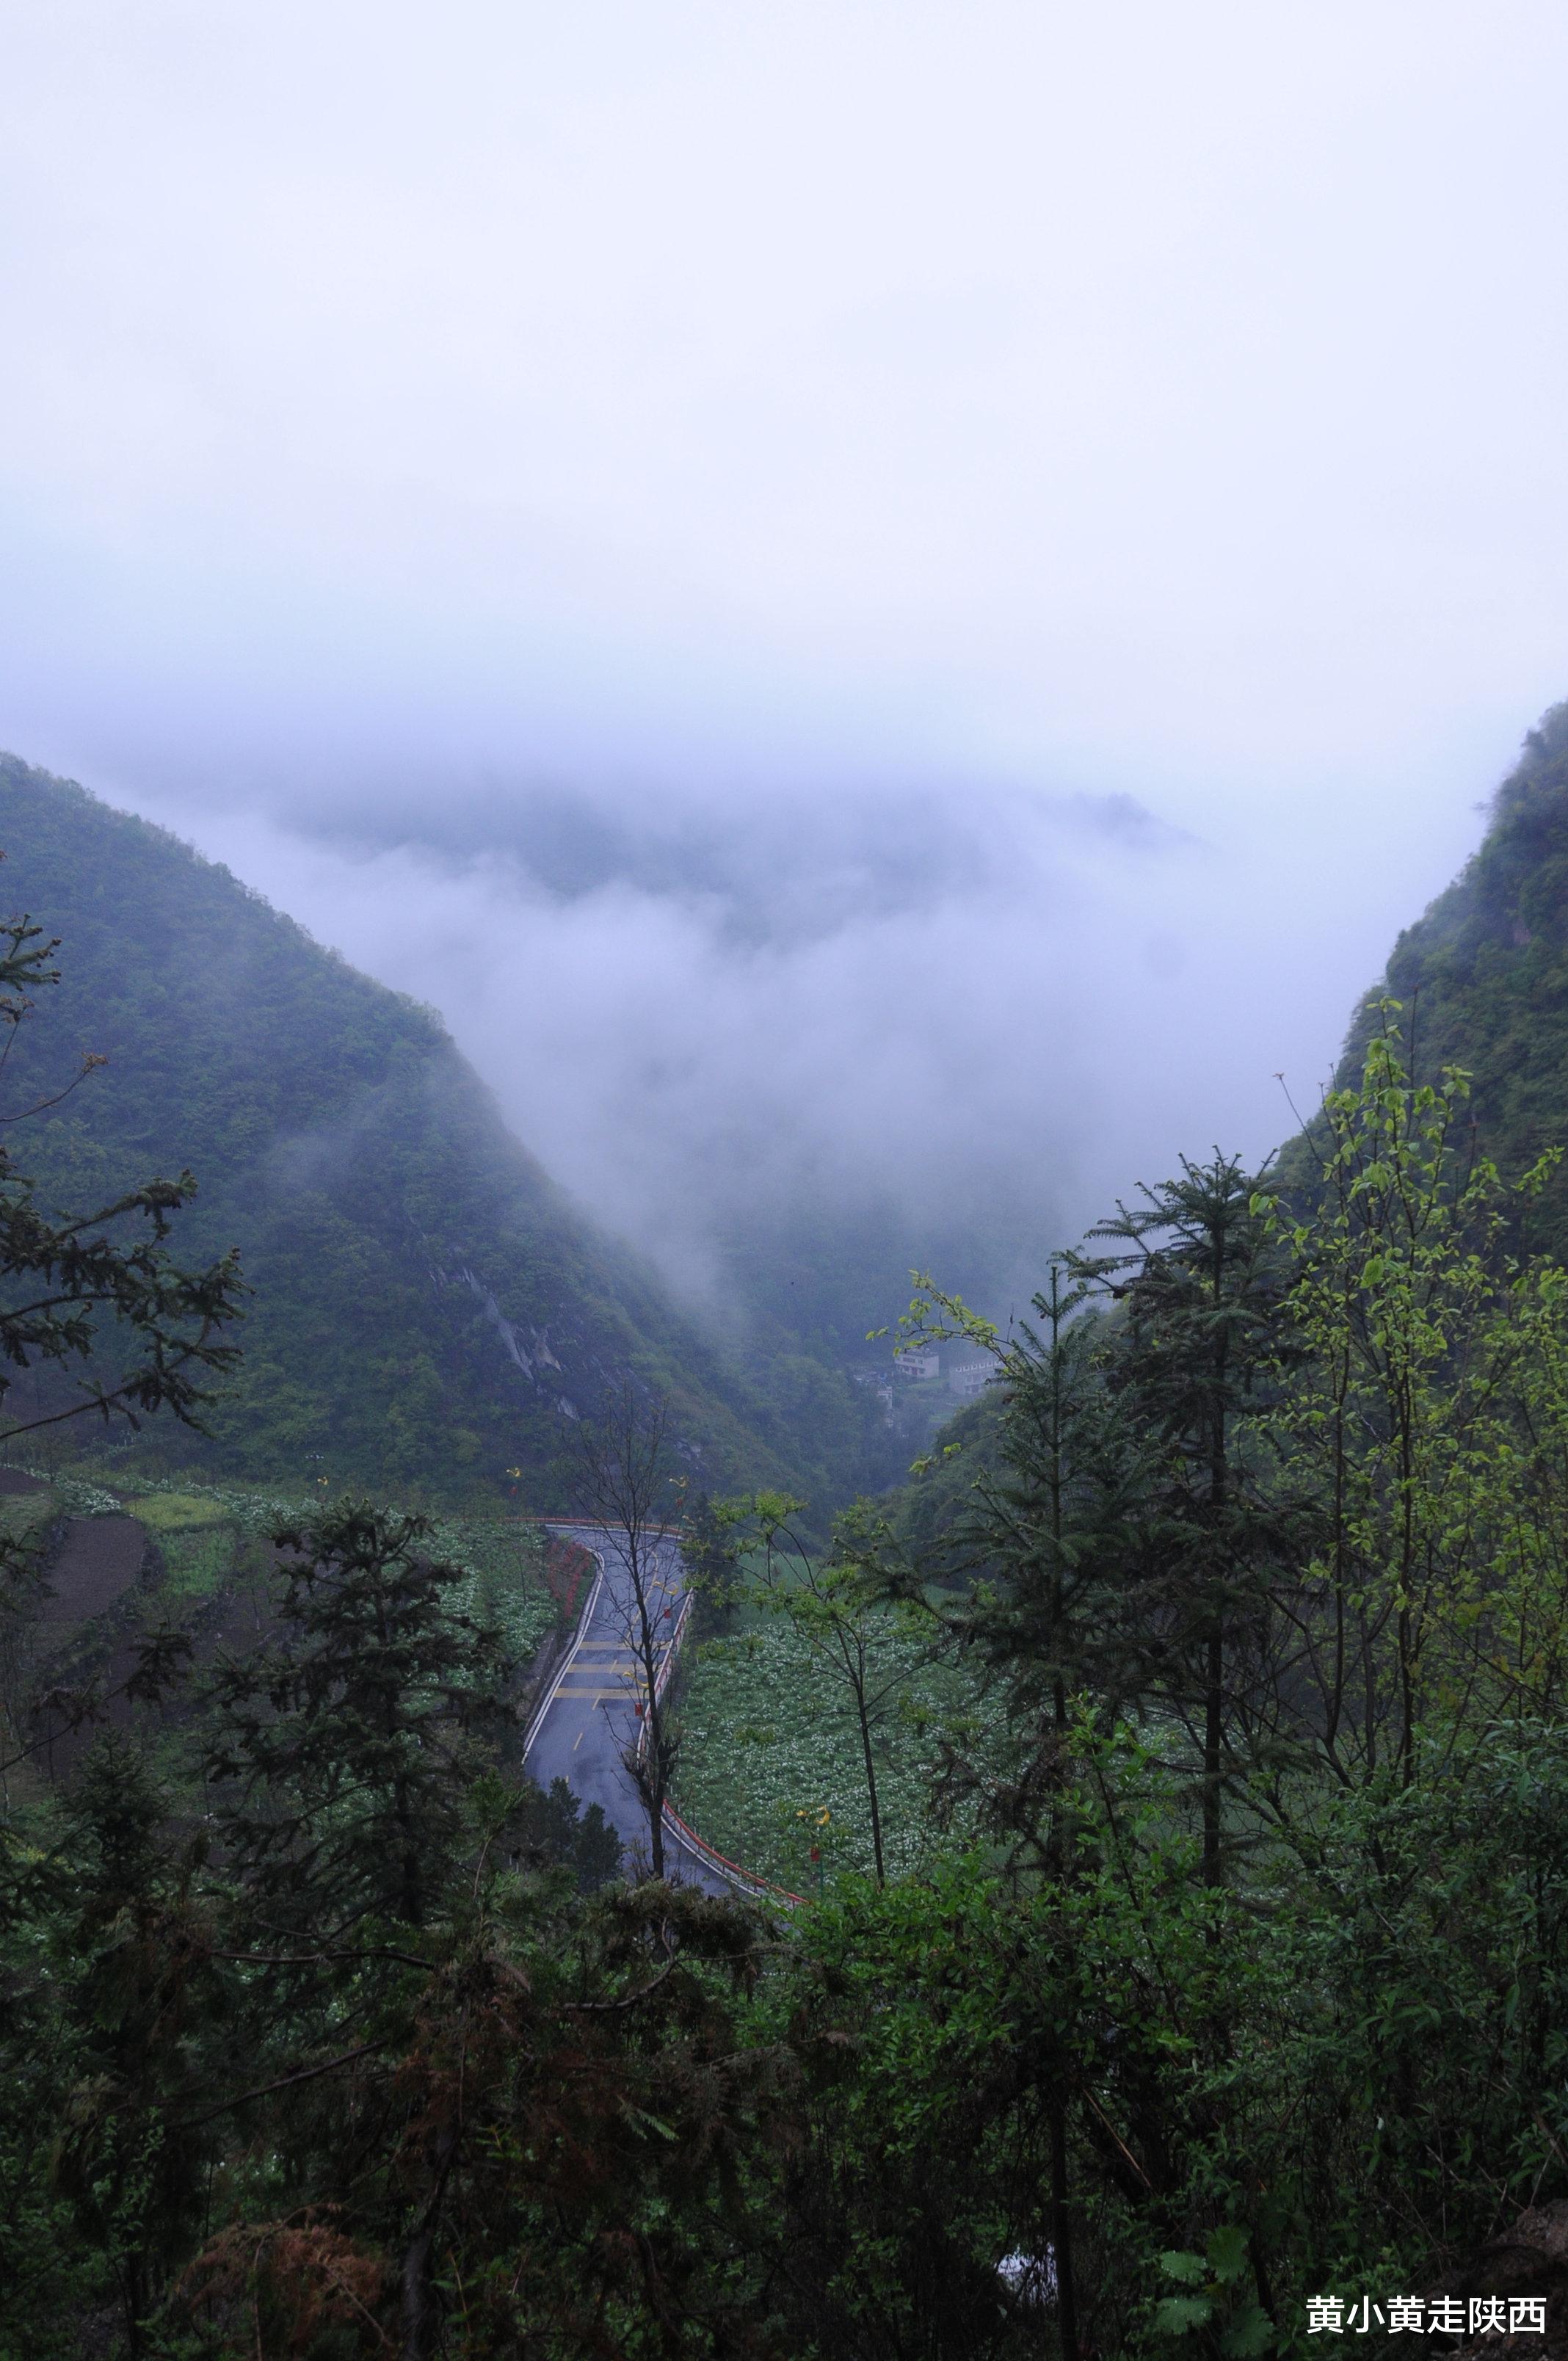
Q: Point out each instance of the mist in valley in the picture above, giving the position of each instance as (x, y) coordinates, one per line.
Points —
(888, 611)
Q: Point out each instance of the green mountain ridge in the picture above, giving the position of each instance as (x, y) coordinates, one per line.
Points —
(429, 1310)
(1482, 977)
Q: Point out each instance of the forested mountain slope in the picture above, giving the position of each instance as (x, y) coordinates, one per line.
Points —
(429, 1311)
(1483, 978)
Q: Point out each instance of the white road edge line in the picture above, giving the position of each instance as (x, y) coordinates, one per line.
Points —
(584, 1619)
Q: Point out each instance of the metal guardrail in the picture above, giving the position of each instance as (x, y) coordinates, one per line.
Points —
(598, 1525)
(662, 1676)
(746, 1878)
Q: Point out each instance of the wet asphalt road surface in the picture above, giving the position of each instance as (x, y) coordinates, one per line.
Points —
(590, 1721)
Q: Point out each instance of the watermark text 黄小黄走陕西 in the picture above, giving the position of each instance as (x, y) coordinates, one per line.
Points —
(1441, 2315)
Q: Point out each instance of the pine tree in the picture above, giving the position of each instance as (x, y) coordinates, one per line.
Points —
(1195, 1271)
(138, 2011)
(344, 1751)
(70, 1284)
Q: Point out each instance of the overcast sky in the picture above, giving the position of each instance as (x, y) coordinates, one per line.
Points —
(861, 593)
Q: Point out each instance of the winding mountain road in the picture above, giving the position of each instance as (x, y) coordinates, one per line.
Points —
(588, 1721)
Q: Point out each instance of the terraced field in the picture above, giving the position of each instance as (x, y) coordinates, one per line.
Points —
(118, 1560)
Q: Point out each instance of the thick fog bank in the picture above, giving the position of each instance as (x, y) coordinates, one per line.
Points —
(868, 1026)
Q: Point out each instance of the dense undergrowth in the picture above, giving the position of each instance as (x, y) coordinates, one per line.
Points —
(344, 2064)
